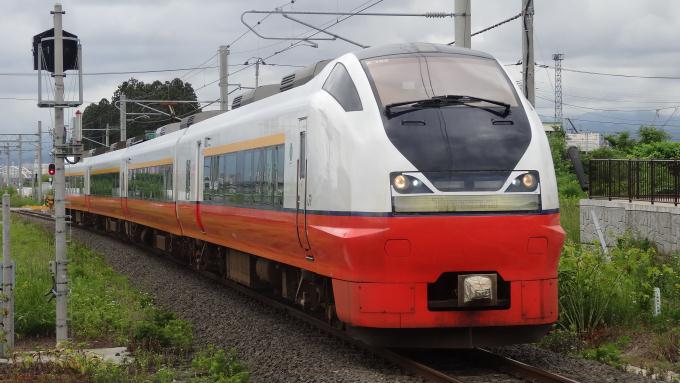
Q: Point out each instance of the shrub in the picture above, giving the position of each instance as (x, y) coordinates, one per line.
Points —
(215, 365)
(163, 330)
(600, 291)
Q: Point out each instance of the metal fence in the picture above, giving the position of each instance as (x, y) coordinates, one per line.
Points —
(641, 180)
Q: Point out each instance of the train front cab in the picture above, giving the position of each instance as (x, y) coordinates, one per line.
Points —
(471, 245)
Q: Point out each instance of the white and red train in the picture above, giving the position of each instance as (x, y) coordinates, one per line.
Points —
(407, 190)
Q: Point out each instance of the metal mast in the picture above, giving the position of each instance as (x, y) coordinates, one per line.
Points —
(558, 57)
(462, 26)
(224, 79)
(39, 170)
(61, 279)
(528, 50)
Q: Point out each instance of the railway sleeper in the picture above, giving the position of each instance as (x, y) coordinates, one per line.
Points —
(310, 291)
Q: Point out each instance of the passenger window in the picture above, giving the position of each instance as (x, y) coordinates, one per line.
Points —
(339, 85)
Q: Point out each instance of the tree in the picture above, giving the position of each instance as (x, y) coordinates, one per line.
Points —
(652, 134)
(621, 141)
(96, 116)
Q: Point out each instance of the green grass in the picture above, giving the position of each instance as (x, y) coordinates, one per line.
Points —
(32, 250)
(15, 200)
(103, 306)
(570, 218)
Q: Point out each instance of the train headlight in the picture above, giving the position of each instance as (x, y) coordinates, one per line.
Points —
(526, 182)
(400, 182)
(529, 181)
(406, 184)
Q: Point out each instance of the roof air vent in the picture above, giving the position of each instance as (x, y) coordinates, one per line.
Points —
(287, 82)
(237, 102)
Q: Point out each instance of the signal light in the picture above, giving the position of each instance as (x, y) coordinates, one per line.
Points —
(51, 169)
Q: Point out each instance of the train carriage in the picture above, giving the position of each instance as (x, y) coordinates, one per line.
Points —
(404, 190)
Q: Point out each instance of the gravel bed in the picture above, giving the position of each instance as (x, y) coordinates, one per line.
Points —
(581, 370)
(278, 348)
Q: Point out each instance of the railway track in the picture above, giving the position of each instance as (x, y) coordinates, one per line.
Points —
(438, 366)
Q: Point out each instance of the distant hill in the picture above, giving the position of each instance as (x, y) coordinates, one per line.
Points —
(614, 122)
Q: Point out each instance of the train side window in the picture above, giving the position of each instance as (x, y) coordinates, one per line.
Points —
(278, 193)
(339, 84)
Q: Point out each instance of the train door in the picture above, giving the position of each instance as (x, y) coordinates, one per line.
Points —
(301, 200)
(199, 186)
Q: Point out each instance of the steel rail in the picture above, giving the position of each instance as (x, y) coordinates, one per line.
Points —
(499, 362)
(522, 370)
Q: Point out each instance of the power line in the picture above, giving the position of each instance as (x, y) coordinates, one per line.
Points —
(611, 110)
(614, 122)
(509, 19)
(613, 74)
(291, 46)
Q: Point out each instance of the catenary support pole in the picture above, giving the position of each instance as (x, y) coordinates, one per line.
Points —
(39, 178)
(61, 277)
(462, 24)
(34, 175)
(123, 117)
(20, 176)
(257, 73)
(107, 135)
(7, 275)
(8, 166)
(528, 50)
(224, 78)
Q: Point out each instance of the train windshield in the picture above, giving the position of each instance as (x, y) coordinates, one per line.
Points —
(404, 79)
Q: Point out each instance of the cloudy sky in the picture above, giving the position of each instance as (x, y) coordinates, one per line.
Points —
(612, 36)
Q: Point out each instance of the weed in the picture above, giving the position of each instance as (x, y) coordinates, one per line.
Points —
(215, 365)
(163, 330)
(164, 375)
(607, 353)
(562, 341)
(570, 218)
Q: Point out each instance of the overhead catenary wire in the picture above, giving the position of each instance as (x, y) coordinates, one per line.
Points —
(610, 109)
(293, 44)
(608, 122)
(595, 73)
(498, 24)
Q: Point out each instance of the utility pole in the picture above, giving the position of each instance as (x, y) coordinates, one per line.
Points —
(123, 117)
(558, 57)
(34, 175)
(528, 50)
(61, 277)
(20, 176)
(39, 172)
(7, 278)
(107, 135)
(462, 24)
(257, 73)
(8, 165)
(224, 78)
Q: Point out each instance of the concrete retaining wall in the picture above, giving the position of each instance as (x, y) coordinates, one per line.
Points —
(659, 223)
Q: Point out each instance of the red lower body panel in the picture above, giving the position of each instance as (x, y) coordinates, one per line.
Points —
(76, 202)
(381, 265)
(157, 214)
(107, 206)
(404, 305)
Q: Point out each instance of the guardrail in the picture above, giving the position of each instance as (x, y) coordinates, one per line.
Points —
(639, 180)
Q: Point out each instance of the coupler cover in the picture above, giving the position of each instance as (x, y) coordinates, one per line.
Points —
(477, 289)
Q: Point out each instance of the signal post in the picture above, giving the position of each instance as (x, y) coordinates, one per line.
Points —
(67, 55)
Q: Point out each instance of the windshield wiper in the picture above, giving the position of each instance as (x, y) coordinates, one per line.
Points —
(439, 101)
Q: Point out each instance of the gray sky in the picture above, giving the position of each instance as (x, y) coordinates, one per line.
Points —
(613, 36)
